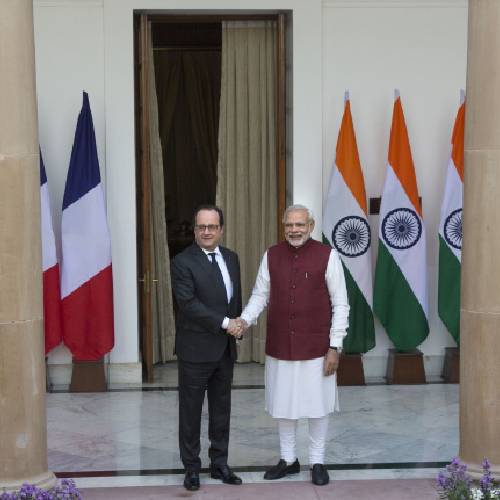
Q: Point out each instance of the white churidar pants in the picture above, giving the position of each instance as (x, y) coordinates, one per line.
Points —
(318, 428)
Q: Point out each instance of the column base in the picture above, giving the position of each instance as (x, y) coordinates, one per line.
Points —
(350, 371)
(451, 365)
(44, 481)
(405, 367)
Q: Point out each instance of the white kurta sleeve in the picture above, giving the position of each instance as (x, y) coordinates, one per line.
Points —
(335, 282)
(260, 294)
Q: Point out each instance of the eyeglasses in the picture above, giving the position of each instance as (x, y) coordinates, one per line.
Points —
(211, 228)
(298, 225)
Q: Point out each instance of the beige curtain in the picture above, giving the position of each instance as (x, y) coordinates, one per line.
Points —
(161, 296)
(247, 181)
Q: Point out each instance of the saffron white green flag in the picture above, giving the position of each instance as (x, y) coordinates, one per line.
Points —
(400, 292)
(450, 232)
(346, 228)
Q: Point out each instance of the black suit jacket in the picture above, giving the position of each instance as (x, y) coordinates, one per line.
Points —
(202, 305)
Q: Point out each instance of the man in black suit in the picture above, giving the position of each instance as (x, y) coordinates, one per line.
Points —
(206, 284)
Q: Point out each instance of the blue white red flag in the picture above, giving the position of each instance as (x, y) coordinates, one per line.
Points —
(50, 266)
(87, 280)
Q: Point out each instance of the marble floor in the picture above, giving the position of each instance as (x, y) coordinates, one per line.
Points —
(129, 436)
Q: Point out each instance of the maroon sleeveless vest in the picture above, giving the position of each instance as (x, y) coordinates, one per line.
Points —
(299, 312)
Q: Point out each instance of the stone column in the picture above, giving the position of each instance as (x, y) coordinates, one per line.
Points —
(23, 427)
(480, 300)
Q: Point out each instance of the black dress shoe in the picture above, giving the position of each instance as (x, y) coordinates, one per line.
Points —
(281, 469)
(320, 475)
(225, 473)
(192, 480)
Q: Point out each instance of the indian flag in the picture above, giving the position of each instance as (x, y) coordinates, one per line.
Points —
(450, 232)
(346, 228)
(400, 293)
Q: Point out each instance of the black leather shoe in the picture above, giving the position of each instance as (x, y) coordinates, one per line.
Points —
(224, 473)
(281, 469)
(192, 480)
(320, 475)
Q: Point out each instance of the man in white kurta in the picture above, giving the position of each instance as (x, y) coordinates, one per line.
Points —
(301, 361)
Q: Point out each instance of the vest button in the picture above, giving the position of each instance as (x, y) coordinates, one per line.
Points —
(296, 256)
(292, 332)
(293, 286)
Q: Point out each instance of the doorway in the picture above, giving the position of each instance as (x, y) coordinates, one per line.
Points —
(187, 61)
(187, 72)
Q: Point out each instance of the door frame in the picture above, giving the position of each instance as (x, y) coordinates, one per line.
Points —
(145, 280)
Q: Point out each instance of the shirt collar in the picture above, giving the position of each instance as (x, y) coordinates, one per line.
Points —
(216, 251)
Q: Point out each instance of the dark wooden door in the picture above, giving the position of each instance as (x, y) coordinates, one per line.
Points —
(143, 180)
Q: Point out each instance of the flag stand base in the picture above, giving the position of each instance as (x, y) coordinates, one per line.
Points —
(88, 376)
(451, 365)
(350, 371)
(405, 367)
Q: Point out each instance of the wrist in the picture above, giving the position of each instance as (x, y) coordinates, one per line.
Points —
(338, 350)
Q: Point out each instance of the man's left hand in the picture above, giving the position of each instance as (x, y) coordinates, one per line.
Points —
(331, 363)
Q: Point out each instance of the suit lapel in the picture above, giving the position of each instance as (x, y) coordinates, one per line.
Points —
(201, 257)
(214, 277)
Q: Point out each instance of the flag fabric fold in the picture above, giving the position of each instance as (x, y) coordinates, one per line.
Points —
(87, 281)
(52, 321)
(450, 232)
(346, 228)
(400, 291)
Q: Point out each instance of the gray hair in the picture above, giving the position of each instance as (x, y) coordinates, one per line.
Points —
(292, 208)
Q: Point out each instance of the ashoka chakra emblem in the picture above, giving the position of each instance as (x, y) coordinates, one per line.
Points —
(453, 229)
(401, 228)
(351, 236)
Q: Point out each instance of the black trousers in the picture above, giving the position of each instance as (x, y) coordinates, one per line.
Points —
(194, 379)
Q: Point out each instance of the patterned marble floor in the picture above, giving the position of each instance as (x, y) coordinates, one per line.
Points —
(381, 429)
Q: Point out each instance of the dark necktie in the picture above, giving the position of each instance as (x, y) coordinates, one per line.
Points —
(217, 270)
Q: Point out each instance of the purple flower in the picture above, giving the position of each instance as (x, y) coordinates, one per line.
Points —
(454, 482)
(65, 490)
(486, 482)
(441, 479)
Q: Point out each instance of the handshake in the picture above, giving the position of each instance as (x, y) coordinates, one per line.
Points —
(237, 327)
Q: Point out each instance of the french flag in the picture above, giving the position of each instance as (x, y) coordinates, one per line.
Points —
(87, 280)
(51, 288)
